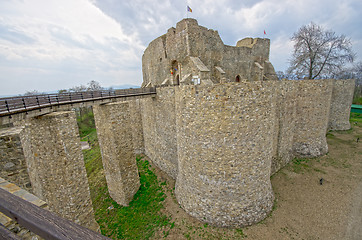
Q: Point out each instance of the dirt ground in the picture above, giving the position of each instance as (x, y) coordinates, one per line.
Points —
(304, 209)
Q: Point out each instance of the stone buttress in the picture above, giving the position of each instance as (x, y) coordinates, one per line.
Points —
(54, 158)
(114, 130)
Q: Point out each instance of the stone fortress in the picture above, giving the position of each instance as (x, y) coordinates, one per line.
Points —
(220, 124)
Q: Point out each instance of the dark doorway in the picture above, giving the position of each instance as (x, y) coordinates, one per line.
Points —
(237, 79)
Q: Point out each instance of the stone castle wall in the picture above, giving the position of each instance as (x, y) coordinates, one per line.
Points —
(224, 151)
(233, 133)
(12, 162)
(312, 117)
(159, 129)
(285, 110)
(342, 97)
(249, 59)
(136, 126)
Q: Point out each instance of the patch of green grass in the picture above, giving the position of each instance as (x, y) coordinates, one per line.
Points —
(300, 164)
(357, 100)
(355, 117)
(240, 232)
(142, 217)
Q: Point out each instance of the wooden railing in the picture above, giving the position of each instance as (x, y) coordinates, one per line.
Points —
(13, 105)
(40, 221)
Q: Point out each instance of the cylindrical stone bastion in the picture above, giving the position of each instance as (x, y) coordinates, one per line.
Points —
(312, 116)
(342, 96)
(225, 135)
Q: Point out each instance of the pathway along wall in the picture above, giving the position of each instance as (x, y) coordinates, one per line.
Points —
(225, 141)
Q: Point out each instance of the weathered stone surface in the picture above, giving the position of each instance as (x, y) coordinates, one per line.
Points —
(12, 162)
(196, 50)
(137, 130)
(230, 137)
(159, 129)
(114, 129)
(285, 110)
(54, 157)
(225, 141)
(312, 117)
(341, 102)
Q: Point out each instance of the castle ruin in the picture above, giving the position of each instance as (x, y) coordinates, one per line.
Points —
(221, 124)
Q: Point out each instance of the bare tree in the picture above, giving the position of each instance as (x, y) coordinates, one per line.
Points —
(33, 92)
(94, 86)
(80, 88)
(318, 52)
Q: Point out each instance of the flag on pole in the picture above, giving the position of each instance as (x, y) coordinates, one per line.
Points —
(264, 32)
(189, 9)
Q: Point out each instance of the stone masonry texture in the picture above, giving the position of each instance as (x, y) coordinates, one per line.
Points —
(312, 117)
(137, 130)
(171, 56)
(342, 97)
(114, 130)
(221, 128)
(12, 162)
(54, 157)
(285, 111)
(225, 150)
(159, 129)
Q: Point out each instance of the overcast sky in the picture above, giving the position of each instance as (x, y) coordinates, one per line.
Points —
(47, 45)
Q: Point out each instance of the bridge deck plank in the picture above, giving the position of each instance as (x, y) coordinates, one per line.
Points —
(42, 222)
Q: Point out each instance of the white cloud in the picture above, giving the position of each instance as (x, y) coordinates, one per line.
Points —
(58, 44)
(66, 31)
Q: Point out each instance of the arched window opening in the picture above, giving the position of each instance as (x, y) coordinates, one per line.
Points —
(175, 72)
(237, 79)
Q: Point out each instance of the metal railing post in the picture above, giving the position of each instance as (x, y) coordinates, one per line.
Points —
(7, 105)
(24, 103)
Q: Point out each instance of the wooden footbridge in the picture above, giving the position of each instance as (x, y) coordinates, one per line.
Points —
(20, 107)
